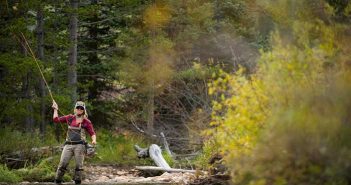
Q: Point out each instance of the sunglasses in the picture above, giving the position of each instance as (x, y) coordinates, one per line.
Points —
(80, 107)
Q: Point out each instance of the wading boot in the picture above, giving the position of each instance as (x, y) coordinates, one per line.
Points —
(58, 181)
(78, 176)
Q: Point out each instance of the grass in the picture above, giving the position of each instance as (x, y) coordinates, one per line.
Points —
(9, 176)
(117, 149)
(43, 171)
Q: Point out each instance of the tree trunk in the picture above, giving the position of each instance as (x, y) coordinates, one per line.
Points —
(150, 107)
(151, 93)
(217, 15)
(93, 59)
(55, 61)
(29, 120)
(40, 42)
(72, 58)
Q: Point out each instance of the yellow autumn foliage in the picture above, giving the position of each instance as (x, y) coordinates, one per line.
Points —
(244, 103)
(289, 122)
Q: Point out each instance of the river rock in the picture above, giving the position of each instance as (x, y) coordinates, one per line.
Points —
(102, 179)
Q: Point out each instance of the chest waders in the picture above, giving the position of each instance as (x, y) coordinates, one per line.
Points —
(74, 147)
(75, 135)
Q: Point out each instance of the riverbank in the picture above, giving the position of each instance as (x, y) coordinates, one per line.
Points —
(95, 174)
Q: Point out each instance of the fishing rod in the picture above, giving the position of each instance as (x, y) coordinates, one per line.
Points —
(27, 47)
(36, 61)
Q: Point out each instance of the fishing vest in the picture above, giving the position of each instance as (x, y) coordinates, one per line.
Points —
(75, 135)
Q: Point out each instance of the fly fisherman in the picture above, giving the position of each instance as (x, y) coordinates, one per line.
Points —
(75, 144)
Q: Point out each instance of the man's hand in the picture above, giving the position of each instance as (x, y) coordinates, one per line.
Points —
(54, 105)
(93, 138)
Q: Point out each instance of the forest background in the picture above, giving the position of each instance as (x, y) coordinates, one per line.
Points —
(263, 83)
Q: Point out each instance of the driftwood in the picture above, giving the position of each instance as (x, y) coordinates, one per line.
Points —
(19, 159)
(155, 153)
(165, 143)
(41, 151)
(142, 152)
(47, 150)
(156, 168)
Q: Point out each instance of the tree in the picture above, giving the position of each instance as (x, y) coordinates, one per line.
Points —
(40, 54)
(72, 59)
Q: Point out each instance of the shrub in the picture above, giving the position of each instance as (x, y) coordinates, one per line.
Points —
(210, 148)
(307, 142)
(289, 123)
(8, 176)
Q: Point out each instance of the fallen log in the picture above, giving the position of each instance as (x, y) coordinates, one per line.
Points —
(156, 168)
(20, 159)
(165, 143)
(15, 163)
(142, 152)
(155, 154)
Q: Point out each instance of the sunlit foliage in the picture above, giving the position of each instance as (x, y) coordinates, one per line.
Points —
(240, 113)
(289, 122)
